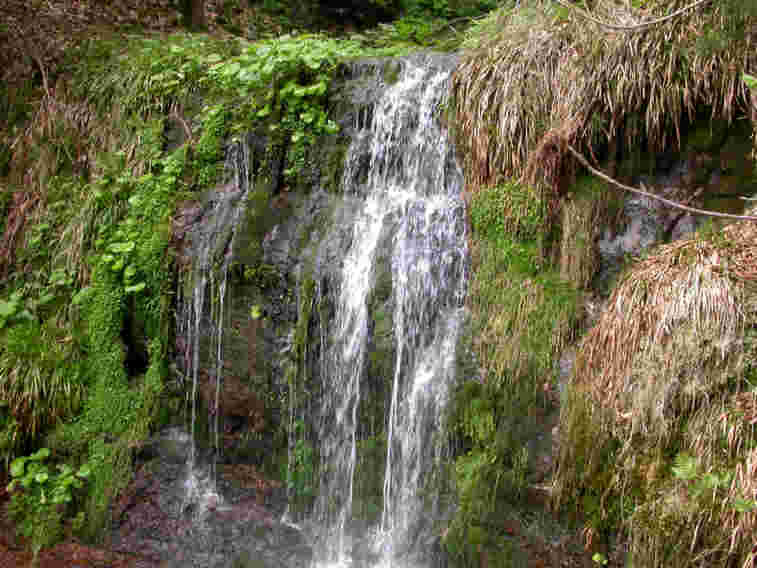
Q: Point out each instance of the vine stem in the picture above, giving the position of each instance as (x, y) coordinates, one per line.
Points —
(584, 162)
(634, 27)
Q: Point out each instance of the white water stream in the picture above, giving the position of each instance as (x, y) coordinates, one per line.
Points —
(414, 211)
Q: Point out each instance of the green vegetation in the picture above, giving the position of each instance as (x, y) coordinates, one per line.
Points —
(523, 315)
(40, 495)
(99, 223)
(382, 22)
(300, 474)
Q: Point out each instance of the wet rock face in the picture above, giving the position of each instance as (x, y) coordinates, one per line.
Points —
(152, 520)
(288, 253)
(290, 229)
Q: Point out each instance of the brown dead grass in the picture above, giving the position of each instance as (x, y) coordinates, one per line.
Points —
(551, 77)
(664, 368)
(696, 287)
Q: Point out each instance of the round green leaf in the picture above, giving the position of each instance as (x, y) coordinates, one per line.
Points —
(122, 247)
(40, 455)
(135, 288)
(17, 467)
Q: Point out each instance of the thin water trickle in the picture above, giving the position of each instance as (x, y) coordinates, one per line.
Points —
(412, 213)
(202, 309)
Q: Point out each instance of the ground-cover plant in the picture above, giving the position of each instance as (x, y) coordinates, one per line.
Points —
(40, 495)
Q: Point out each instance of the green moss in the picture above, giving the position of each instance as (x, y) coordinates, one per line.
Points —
(706, 136)
(392, 71)
(331, 176)
(369, 478)
(589, 206)
(260, 217)
(523, 314)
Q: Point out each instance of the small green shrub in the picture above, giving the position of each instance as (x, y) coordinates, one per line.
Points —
(40, 496)
(300, 471)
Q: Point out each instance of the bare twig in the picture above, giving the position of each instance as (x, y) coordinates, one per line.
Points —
(634, 27)
(674, 221)
(584, 162)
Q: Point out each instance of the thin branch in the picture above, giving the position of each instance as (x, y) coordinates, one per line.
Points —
(584, 162)
(634, 27)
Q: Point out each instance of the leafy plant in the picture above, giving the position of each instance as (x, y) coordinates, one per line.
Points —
(709, 486)
(12, 310)
(750, 81)
(300, 473)
(39, 496)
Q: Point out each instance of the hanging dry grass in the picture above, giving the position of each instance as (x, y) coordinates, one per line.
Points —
(663, 368)
(551, 77)
(686, 298)
(59, 132)
(505, 93)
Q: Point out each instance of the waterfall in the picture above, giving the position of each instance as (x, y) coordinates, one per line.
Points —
(401, 170)
(202, 296)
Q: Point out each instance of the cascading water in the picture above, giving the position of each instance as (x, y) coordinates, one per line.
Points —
(401, 165)
(204, 297)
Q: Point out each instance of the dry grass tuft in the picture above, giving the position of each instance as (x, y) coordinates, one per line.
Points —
(663, 369)
(551, 77)
(65, 136)
(686, 300)
(505, 94)
(59, 133)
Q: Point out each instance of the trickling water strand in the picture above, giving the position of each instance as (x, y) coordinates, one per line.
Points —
(219, 232)
(413, 209)
(342, 385)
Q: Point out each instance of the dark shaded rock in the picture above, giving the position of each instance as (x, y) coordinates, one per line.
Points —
(153, 516)
(713, 171)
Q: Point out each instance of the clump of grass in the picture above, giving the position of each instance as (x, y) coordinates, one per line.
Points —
(55, 139)
(663, 374)
(550, 75)
(526, 311)
(697, 284)
(583, 213)
(41, 381)
(505, 92)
